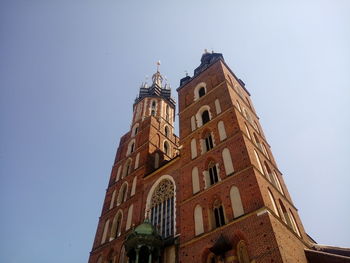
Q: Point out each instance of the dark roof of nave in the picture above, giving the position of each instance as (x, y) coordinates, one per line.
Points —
(329, 254)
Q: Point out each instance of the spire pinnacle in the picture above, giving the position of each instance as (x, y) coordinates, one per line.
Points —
(157, 78)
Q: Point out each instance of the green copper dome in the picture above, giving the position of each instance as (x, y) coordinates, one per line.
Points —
(146, 228)
(144, 234)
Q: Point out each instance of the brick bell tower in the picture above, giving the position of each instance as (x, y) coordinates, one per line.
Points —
(213, 195)
(149, 145)
(235, 206)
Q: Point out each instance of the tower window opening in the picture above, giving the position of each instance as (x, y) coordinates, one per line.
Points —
(153, 108)
(269, 174)
(286, 217)
(134, 130)
(162, 208)
(219, 216)
(132, 147)
(209, 142)
(122, 193)
(205, 117)
(201, 92)
(166, 131)
(167, 110)
(166, 148)
(213, 174)
(127, 168)
(117, 226)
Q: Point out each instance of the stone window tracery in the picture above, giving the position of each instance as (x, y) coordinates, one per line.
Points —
(162, 208)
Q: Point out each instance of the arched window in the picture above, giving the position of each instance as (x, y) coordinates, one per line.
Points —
(257, 141)
(137, 159)
(208, 142)
(122, 193)
(166, 131)
(198, 220)
(129, 218)
(153, 108)
(278, 184)
(236, 202)
(269, 173)
(193, 123)
(219, 217)
(112, 200)
(105, 231)
(193, 148)
(118, 173)
(272, 199)
(167, 113)
(162, 208)
(256, 126)
(201, 92)
(205, 117)
(195, 180)
(226, 156)
(222, 131)
(131, 147)
(135, 130)
(133, 186)
(213, 173)
(166, 148)
(116, 225)
(258, 161)
(265, 151)
(127, 168)
(247, 115)
(286, 217)
(295, 226)
(247, 130)
(239, 106)
(217, 106)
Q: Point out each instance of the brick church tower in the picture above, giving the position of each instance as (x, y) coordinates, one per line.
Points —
(213, 194)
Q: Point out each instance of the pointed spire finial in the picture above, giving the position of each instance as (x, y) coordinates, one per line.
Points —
(157, 78)
(186, 73)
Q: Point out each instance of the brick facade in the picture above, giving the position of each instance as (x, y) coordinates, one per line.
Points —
(259, 224)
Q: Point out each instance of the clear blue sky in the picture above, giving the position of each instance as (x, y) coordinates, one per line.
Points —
(70, 70)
